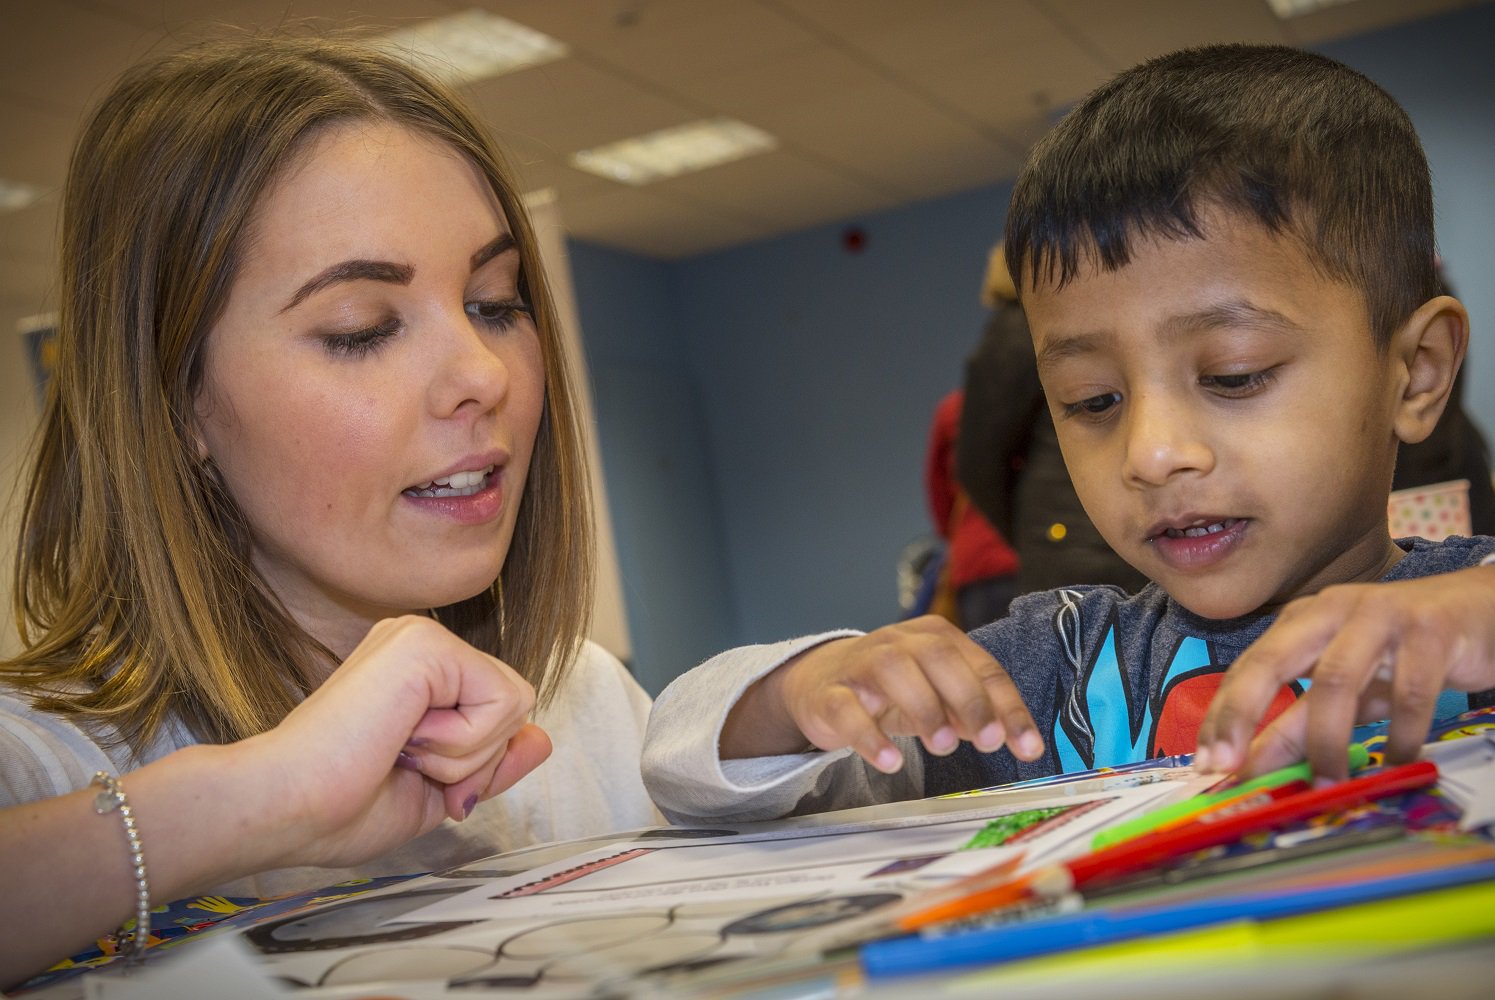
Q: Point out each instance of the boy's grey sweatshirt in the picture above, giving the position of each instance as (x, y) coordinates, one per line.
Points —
(1108, 678)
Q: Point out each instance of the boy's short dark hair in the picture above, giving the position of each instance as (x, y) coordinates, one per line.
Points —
(1300, 143)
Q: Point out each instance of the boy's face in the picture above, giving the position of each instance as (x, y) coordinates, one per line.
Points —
(1225, 415)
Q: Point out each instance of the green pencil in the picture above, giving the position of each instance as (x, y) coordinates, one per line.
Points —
(1150, 821)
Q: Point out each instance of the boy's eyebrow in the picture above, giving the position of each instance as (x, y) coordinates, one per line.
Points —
(388, 271)
(1238, 314)
(1072, 345)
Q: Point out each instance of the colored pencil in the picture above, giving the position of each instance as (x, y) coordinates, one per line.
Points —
(1174, 812)
(917, 954)
(1207, 830)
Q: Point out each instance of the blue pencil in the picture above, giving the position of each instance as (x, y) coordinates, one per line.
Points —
(912, 955)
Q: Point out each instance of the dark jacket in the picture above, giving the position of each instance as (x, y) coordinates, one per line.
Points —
(1008, 460)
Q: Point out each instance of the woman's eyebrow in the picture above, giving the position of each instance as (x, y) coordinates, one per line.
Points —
(501, 244)
(388, 271)
(353, 270)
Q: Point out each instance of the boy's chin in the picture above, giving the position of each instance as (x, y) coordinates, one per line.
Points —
(1219, 604)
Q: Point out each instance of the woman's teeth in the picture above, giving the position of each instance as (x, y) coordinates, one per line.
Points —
(1208, 529)
(458, 484)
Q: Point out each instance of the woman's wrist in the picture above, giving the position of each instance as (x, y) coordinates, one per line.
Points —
(224, 836)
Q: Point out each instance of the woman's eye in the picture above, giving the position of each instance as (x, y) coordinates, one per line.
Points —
(361, 342)
(1243, 384)
(499, 315)
(1092, 406)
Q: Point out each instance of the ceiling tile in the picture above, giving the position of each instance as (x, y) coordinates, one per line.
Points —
(669, 42)
(42, 157)
(875, 102)
(42, 60)
(196, 17)
(1363, 15)
(651, 224)
(1140, 29)
(573, 104)
(780, 190)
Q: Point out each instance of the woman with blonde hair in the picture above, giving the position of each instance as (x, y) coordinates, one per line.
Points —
(307, 535)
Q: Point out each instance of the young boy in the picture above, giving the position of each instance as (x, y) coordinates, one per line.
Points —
(1226, 258)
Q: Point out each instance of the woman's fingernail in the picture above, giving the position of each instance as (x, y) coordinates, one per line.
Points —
(469, 805)
(1030, 744)
(407, 760)
(416, 741)
(1202, 760)
(944, 740)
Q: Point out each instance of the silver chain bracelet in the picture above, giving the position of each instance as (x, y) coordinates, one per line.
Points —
(111, 798)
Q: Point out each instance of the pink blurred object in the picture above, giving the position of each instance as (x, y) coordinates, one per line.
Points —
(1433, 512)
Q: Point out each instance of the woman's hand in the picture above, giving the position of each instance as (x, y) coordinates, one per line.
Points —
(414, 726)
(325, 787)
(1372, 651)
(923, 677)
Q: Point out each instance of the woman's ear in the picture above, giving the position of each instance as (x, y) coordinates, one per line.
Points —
(194, 426)
(1430, 347)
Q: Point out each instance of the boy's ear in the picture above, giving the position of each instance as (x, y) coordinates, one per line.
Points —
(1430, 347)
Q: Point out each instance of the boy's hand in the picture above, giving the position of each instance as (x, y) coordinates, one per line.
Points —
(922, 677)
(1372, 651)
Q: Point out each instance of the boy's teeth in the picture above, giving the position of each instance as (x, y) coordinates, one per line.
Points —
(1200, 532)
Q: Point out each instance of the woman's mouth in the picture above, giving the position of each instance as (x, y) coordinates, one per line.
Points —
(458, 484)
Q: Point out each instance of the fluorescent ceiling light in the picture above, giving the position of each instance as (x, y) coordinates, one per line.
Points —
(472, 45)
(1296, 8)
(674, 151)
(15, 196)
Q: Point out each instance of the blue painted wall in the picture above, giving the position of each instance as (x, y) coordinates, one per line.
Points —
(820, 370)
(655, 460)
(764, 409)
(1442, 70)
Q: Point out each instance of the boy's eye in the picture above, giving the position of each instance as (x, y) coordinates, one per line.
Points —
(1092, 406)
(499, 315)
(360, 342)
(1243, 384)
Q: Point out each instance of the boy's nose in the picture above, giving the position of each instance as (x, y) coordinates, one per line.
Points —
(468, 374)
(1162, 442)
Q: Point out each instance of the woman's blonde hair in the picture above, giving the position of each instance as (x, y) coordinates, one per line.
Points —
(997, 284)
(134, 594)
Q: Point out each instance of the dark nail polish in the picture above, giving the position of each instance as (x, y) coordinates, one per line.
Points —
(407, 761)
(469, 805)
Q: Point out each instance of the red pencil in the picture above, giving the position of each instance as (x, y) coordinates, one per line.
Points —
(1208, 829)
(1226, 827)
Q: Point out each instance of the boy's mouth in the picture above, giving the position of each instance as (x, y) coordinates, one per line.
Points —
(1198, 529)
(457, 484)
(1197, 543)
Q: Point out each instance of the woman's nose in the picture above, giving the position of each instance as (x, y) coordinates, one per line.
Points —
(468, 374)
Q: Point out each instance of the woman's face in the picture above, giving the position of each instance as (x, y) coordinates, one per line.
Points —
(372, 391)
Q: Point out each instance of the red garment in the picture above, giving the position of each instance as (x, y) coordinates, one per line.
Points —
(977, 551)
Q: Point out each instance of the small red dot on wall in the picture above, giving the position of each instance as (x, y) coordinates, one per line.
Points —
(854, 239)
